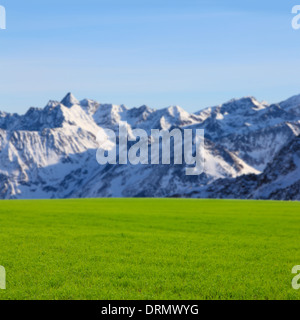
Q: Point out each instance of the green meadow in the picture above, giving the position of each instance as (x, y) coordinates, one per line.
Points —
(149, 249)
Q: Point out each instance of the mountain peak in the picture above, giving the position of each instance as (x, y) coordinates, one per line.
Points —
(291, 103)
(242, 105)
(52, 104)
(244, 100)
(69, 100)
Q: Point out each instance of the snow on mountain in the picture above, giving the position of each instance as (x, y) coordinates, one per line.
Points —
(69, 100)
(51, 152)
(281, 178)
(89, 106)
(163, 180)
(279, 181)
(252, 130)
(109, 115)
(292, 105)
(259, 147)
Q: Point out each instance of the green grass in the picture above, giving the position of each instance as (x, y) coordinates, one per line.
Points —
(149, 249)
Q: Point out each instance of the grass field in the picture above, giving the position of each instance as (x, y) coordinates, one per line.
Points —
(149, 249)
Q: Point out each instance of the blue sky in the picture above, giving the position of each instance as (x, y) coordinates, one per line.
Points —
(190, 53)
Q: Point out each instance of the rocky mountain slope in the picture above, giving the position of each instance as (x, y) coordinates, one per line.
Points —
(279, 181)
(251, 151)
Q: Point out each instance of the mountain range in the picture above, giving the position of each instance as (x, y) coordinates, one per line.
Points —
(252, 151)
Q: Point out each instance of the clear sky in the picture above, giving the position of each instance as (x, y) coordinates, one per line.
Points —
(191, 53)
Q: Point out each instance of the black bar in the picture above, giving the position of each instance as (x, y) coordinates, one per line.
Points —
(142, 309)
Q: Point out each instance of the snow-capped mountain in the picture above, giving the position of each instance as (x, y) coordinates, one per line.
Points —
(51, 152)
(254, 131)
(279, 181)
